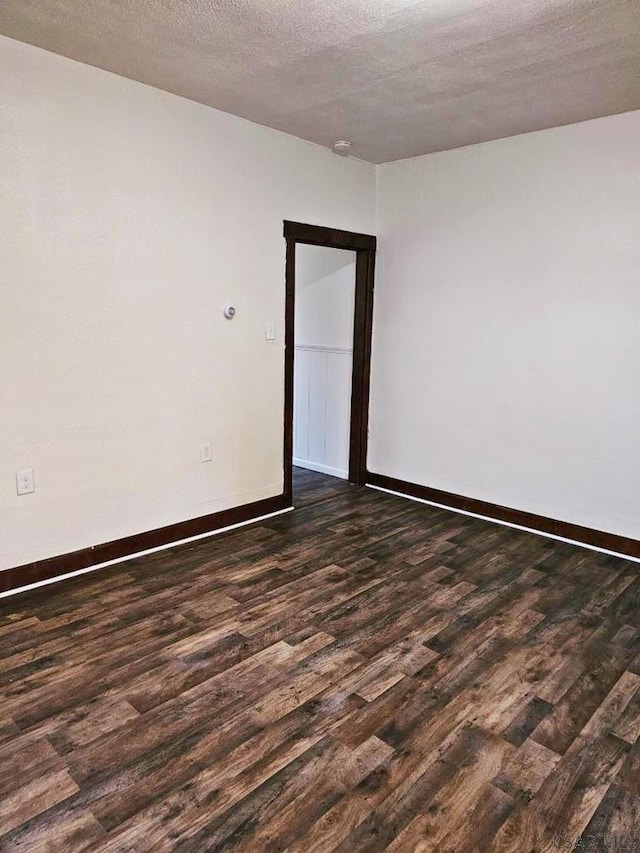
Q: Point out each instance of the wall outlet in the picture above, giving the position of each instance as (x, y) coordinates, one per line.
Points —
(25, 483)
(206, 451)
(270, 331)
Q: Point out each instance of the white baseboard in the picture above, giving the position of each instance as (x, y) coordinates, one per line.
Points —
(321, 469)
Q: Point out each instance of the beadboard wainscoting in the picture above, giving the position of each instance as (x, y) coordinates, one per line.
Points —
(322, 400)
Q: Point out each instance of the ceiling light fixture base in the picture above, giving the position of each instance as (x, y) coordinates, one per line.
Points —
(342, 147)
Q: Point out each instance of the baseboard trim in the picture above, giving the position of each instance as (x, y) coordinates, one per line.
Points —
(320, 468)
(610, 542)
(129, 546)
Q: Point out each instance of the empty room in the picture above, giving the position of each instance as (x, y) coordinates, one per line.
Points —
(319, 426)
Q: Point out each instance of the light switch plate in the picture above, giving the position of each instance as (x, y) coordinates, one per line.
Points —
(270, 331)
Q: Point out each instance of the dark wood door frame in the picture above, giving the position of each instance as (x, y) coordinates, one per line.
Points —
(364, 245)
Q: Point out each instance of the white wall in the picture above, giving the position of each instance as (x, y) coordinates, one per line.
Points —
(506, 351)
(129, 218)
(325, 297)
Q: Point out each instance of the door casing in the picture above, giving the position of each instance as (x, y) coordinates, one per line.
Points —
(364, 245)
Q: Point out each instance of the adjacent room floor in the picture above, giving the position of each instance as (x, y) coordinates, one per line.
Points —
(364, 673)
(310, 487)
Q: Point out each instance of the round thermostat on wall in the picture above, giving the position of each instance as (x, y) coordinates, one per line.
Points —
(229, 312)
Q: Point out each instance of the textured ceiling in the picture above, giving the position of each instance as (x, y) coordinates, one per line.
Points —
(396, 77)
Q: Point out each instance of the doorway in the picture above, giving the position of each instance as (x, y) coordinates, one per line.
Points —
(327, 354)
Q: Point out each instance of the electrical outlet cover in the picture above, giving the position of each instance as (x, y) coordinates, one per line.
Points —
(25, 483)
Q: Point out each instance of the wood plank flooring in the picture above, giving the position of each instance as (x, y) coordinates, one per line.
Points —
(310, 487)
(366, 673)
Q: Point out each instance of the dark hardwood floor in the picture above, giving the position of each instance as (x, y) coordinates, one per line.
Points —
(364, 673)
(309, 487)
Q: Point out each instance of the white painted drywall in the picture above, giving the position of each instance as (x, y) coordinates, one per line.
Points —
(130, 217)
(506, 350)
(325, 296)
